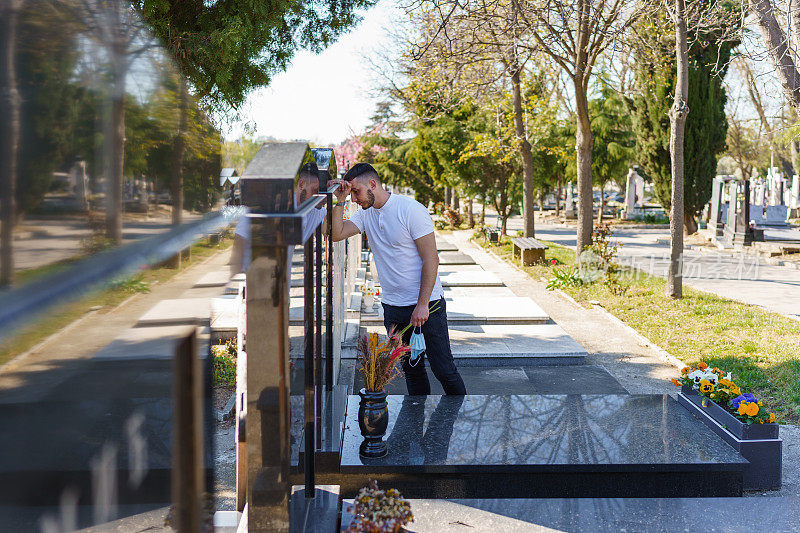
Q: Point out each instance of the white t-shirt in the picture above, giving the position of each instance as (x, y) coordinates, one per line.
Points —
(243, 230)
(391, 231)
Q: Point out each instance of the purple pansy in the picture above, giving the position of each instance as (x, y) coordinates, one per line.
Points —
(746, 397)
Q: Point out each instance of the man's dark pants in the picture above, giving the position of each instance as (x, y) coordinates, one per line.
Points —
(437, 349)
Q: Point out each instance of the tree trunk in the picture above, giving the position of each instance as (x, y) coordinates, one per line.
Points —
(541, 202)
(483, 211)
(116, 144)
(9, 137)
(677, 115)
(502, 208)
(527, 155)
(447, 196)
(456, 204)
(689, 224)
(602, 205)
(558, 196)
(470, 214)
(178, 149)
(584, 141)
(778, 50)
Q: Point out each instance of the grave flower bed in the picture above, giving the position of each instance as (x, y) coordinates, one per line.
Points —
(717, 386)
(740, 419)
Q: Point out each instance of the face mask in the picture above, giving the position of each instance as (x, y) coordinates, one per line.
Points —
(417, 345)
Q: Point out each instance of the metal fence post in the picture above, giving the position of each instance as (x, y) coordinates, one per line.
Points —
(279, 189)
(188, 480)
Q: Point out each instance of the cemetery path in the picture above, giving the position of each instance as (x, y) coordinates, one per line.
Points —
(80, 341)
(741, 277)
(42, 240)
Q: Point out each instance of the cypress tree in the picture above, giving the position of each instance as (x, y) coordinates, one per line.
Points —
(706, 125)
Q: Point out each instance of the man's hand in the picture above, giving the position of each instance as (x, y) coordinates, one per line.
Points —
(420, 315)
(343, 190)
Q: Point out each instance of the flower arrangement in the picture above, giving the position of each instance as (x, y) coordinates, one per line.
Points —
(368, 289)
(718, 386)
(377, 511)
(379, 362)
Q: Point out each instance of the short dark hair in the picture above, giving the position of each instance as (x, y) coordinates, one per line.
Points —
(360, 169)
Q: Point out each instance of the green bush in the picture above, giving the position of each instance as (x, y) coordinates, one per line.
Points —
(564, 278)
(223, 358)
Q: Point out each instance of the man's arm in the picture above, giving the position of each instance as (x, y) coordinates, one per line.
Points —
(426, 246)
(340, 228)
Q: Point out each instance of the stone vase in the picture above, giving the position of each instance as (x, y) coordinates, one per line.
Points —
(373, 419)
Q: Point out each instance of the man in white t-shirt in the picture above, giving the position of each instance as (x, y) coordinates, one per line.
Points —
(400, 234)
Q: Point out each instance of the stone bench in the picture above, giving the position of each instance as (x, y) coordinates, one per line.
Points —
(529, 250)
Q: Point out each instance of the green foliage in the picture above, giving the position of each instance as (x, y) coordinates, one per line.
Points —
(706, 124)
(651, 219)
(614, 142)
(238, 154)
(227, 48)
(223, 360)
(564, 277)
(132, 285)
(50, 102)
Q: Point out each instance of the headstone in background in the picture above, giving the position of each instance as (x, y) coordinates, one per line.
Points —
(737, 227)
(794, 198)
(760, 195)
(775, 186)
(80, 184)
(569, 203)
(715, 221)
(634, 194)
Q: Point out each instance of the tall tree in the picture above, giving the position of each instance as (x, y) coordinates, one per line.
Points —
(225, 49)
(9, 135)
(471, 48)
(708, 56)
(574, 35)
(677, 119)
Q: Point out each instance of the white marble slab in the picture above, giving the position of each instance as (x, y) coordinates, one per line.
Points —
(177, 311)
(150, 343)
(513, 340)
(451, 293)
(483, 310)
(219, 278)
(455, 258)
(470, 279)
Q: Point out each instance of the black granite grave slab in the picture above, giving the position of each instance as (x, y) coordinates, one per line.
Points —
(519, 379)
(602, 515)
(102, 432)
(543, 446)
(317, 514)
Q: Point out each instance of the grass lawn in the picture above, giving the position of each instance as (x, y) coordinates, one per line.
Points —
(106, 298)
(760, 348)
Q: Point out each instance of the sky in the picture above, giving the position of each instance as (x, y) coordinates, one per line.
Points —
(321, 98)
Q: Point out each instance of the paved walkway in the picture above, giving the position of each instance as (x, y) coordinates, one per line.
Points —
(42, 240)
(736, 276)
